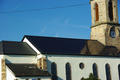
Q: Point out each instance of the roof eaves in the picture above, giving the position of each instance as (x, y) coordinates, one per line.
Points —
(87, 55)
(27, 36)
(49, 75)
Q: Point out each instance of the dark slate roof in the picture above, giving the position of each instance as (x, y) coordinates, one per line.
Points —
(15, 48)
(69, 46)
(1, 49)
(27, 70)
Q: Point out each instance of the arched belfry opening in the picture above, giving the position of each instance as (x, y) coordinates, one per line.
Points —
(110, 10)
(96, 12)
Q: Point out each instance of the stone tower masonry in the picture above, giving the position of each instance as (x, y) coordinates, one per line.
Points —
(105, 26)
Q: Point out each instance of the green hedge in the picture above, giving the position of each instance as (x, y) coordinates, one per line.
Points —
(91, 77)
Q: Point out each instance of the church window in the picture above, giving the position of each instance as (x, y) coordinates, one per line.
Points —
(68, 71)
(119, 71)
(110, 10)
(95, 70)
(54, 71)
(81, 65)
(96, 12)
(108, 74)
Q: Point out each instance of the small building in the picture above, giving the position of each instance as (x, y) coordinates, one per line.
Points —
(18, 62)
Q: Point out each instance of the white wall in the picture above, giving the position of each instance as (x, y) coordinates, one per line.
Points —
(78, 73)
(21, 59)
(9, 74)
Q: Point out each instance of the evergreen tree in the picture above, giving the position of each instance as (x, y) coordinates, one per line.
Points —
(91, 77)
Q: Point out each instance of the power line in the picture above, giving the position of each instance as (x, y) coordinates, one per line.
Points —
(40, 9)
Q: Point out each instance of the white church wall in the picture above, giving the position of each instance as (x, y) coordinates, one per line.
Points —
(9, 74)
(20, 59)
(88, 62)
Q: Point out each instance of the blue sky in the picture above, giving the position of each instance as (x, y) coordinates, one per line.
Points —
(72, 22)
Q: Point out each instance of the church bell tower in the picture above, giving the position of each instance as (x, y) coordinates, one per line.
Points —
(105, 24)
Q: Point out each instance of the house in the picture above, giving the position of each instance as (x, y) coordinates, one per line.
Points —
(54, 58)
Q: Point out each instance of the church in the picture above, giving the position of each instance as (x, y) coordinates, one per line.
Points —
(54, 58)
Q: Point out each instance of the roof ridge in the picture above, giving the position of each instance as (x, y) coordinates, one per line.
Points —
(54, 37)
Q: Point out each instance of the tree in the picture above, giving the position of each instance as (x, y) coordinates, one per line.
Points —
(91, 77)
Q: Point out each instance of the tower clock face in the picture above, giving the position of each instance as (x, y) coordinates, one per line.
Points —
(112, 33)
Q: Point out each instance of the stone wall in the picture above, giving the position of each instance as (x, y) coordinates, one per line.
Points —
(3, 69)
(102, 34)
(103, 11)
